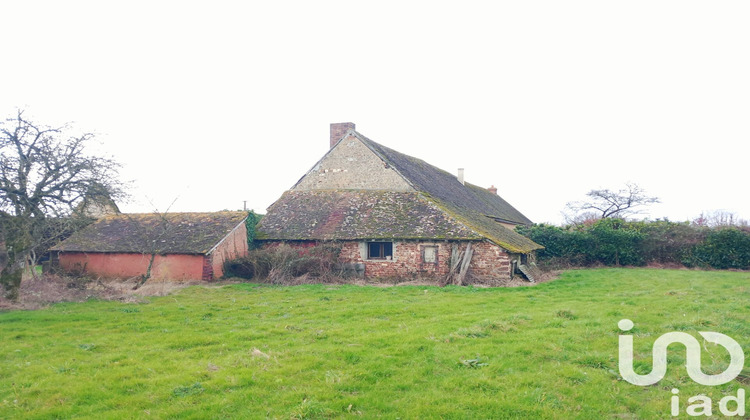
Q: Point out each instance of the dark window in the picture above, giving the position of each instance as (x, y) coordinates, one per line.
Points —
(379, 250)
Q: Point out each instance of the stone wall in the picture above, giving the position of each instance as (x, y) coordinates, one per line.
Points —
(406, 264)
(490, 263)
(352, 166)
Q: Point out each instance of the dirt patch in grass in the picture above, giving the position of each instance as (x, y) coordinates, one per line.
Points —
(42, 291)
(518, 281)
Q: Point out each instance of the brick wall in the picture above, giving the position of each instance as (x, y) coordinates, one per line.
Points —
(490, 264)
(407, 263)
(338, 130)
(233, 246)
(208, 269)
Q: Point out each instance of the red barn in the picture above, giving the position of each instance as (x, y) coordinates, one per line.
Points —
(176, 246)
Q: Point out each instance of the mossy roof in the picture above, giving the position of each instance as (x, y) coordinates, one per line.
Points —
(170, 233)
(441, 208)
(358, 214)
(445, 187)
(474, 206)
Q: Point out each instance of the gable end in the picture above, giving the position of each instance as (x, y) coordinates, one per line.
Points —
(352, 165)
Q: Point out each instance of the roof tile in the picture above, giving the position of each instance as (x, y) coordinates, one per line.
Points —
(170, 233)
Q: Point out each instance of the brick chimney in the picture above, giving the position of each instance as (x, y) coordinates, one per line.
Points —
(492, 189)
(338, 130)
(461, 175)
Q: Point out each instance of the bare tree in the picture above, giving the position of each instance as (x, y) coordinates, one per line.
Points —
(150, 238)
(719, 218)
(606, 203)
(579, 218)
(45, 173)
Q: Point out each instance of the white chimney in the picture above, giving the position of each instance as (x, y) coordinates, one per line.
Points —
(461, 175)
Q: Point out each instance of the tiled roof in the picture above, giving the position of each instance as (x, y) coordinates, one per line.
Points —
(170, 233)
(445, 187)
(358, 214)
(476, 207)
(440, 208)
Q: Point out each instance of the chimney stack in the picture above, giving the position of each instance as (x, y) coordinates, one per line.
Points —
(492, 189)
(338, 130)
(461, 175)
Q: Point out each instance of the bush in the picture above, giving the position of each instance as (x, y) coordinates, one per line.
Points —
(240, 267)
(615, 242)
(250, 224)
(668, 242)
(724, 248)
(284, 263)
(563, 247)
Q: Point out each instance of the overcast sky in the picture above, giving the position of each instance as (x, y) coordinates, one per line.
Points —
(214, 103)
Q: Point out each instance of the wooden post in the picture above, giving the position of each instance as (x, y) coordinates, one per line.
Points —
(465, 265)
(454, 263)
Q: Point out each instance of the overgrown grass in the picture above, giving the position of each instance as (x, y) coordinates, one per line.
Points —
(249, 351)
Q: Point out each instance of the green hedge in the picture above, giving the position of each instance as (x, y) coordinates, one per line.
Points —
(724, 248)
(615, 242)
(250, 223)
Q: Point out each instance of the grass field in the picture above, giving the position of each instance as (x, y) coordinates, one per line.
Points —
(250, 351)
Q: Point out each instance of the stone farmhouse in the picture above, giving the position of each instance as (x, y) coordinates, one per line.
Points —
(397, 216)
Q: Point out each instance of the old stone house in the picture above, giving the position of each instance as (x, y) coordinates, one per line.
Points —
(176, 246)
(397, 216)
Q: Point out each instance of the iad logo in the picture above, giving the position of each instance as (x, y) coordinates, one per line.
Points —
(693, 357)
(701, 405)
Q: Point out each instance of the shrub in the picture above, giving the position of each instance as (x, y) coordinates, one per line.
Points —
(284, 263)
(250, 224)
(616, 243)
(562, 246)
(668, 242)
(724, 248)
(240, 267)
(620, 242)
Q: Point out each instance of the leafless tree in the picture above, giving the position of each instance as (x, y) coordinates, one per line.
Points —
(151, 238)
(577, 218)
(720, 218)
(45, 173)
(606, 203)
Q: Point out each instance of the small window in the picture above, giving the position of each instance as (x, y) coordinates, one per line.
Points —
(379, 250)
(430, 254)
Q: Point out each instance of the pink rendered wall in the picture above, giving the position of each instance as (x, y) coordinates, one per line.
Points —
(110, 265)
(233, 246)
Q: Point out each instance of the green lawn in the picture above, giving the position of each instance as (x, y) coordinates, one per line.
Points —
(250, 351)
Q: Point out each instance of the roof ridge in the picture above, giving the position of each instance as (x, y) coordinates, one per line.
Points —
(501, 207)
(366, 141)
(180, 233)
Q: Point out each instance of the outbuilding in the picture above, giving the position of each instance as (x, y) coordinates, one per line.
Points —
(170, 246)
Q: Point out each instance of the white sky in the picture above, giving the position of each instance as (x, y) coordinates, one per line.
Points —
(213, 103)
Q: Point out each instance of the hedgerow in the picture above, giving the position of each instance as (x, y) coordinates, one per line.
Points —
(617, 242)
